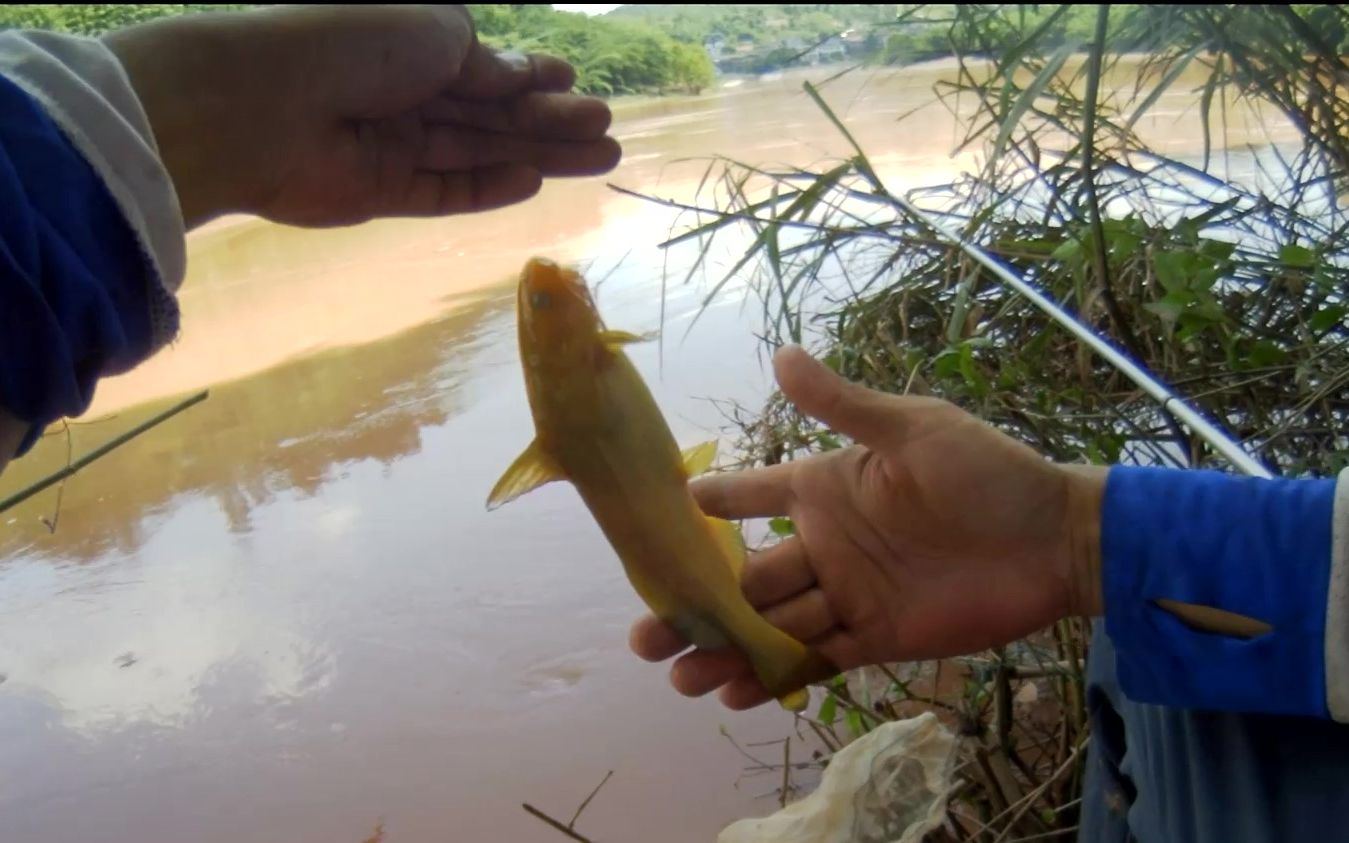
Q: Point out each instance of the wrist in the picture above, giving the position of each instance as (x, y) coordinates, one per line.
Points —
(187, 73)
(12, 433)
(1081, 552)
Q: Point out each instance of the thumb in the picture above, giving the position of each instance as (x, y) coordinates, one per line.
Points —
(871, 418)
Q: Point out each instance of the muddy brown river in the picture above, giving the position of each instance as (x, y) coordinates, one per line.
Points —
(285, 616)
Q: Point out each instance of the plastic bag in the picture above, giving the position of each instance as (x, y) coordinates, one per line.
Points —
(888, 786)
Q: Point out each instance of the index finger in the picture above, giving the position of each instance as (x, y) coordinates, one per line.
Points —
(754, 493)
(654, 640)
(488, 74)
(534, 114)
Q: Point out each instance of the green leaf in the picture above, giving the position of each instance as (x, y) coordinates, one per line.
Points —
(1203, 310)
(1217, 249)
(1094, 455)
(803, 204)
(770, 239)
(854, 720)
(1171, 306)
(1327, 318)
(1298, 257)
(1189, 329)
(828, 710)
(946, 364)
(1122, 239)
(1173, 269)
(1032, 92)
(782, 527)
(724, 221)
(860, 161)
(1206, 107)
(1187, 230)
(1265, 353)
(969, 371)
(1204, 279)
(1069, 250)
(1105, 450)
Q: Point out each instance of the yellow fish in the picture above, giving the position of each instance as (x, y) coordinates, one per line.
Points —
(597, 425)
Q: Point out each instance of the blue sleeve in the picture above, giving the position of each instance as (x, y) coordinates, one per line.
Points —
(74, 281)
(1257, 547)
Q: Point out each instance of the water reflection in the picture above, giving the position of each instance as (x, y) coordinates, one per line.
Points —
(191, 648)
(288, 429)
(199, 636)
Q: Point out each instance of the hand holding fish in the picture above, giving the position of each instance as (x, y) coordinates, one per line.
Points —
(598, 428)
(936, 535)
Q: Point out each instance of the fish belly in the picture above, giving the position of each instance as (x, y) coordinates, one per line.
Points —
(678, 570)
(671, 556)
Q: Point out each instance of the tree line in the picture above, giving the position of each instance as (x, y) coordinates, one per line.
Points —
(663, 48)
(611, 56)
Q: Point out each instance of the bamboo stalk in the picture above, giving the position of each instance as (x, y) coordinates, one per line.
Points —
(101, 451)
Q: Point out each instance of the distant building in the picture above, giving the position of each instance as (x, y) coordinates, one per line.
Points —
(834, 49)
(860, 42)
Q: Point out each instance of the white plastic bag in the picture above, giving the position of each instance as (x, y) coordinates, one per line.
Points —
(888, 786)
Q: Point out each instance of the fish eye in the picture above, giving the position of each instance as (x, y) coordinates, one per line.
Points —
(540, 300)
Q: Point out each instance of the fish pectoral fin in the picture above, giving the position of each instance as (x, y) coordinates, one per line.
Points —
(732, 543)
(616, 339)
(698, 458)
(532, 469)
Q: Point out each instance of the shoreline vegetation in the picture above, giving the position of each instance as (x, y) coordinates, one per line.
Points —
(1229, 288)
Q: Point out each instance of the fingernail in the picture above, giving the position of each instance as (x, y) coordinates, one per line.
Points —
(516, 59)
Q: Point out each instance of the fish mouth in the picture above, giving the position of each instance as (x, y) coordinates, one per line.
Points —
(547, 286)
(557, 316)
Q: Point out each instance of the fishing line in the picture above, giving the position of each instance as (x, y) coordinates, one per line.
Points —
(1164, 395)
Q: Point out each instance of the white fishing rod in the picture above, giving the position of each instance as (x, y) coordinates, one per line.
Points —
(1168, 399)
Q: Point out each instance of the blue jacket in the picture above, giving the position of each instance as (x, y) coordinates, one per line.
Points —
(91, 237)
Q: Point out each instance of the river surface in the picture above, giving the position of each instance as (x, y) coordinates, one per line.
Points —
(285, 614)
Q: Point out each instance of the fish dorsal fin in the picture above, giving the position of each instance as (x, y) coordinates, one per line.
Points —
(617, 339)
(698, 458)
(732, 543)
(532, 469)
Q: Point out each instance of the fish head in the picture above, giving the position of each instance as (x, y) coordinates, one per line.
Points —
(557, 315)
(560, 345)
